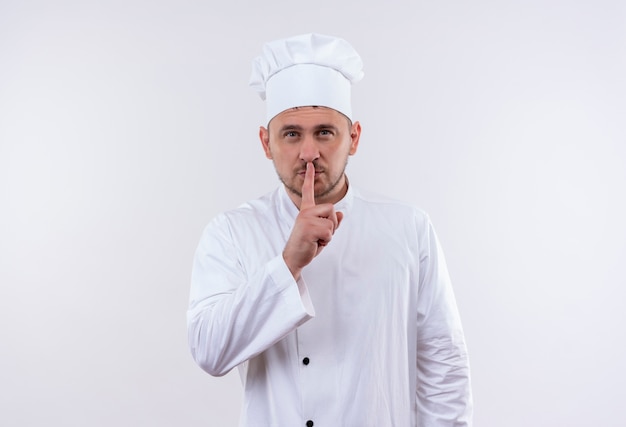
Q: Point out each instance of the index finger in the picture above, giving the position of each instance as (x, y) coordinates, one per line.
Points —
(308, 187)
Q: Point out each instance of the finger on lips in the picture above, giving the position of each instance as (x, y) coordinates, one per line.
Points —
(308, 187)
(326, 212)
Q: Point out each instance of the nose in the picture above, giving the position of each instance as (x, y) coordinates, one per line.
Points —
(309, 150)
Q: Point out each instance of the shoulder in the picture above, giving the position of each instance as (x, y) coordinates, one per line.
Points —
(375, 201)
(252, 212)
(389, 216)
(253, 209)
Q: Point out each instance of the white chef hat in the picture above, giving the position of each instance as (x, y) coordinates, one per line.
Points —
(309, 69)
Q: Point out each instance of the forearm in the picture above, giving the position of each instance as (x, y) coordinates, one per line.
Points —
(444, 397)
(227, 328)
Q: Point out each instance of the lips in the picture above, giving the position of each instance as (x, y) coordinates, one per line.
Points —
(303, 172)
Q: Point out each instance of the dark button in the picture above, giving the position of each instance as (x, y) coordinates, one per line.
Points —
(306, 362)
(309, 423)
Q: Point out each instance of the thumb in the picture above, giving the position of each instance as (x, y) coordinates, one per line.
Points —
(339, 218)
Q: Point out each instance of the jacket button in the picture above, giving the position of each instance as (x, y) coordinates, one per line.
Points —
(306, 362)
(309, 423)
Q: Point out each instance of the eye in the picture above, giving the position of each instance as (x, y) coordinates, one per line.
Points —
(290, 134)
(325, 132)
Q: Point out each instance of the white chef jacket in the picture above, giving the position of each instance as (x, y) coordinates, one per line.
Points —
(368, 336)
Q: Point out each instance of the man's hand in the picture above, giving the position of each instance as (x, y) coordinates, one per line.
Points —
(313, 229)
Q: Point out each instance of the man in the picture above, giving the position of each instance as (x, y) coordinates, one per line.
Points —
(335, 304)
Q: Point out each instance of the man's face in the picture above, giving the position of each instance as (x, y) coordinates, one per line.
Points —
(319, 135)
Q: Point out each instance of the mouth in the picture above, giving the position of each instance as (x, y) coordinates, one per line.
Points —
(302, 173)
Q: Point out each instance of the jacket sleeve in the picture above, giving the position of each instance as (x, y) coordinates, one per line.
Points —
(235, 314)
(444, 396)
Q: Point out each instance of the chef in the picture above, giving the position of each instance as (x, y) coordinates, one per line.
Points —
(334, 304)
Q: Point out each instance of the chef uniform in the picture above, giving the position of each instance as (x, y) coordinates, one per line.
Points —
(369, 335)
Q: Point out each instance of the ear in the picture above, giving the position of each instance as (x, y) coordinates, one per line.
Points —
(355, 134)
(264, 136)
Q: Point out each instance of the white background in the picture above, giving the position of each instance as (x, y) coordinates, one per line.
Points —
(126, 125)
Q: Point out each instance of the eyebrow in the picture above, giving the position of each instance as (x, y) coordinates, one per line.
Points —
(290, 127)
(324, 126)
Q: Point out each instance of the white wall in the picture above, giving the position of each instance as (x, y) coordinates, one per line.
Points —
(126, 125)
